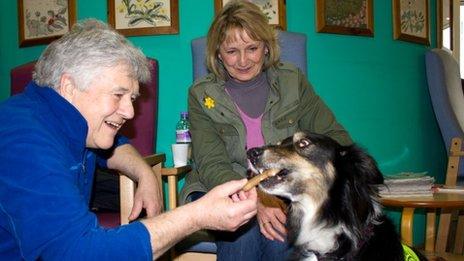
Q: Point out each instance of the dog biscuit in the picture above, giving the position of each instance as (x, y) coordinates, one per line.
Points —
(256, 179)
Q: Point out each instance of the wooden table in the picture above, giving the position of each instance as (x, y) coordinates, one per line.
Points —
(446, 201)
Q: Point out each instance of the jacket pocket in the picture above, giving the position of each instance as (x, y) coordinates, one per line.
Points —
(287, 120)
(286, 124)
(230, 137)
(226, 129)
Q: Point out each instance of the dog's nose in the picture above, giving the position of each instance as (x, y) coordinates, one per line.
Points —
(254, 153)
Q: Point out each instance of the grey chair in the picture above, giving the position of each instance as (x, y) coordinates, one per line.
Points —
(200, 246)
(446, 93)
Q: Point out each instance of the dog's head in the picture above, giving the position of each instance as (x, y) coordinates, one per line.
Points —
(315, 166)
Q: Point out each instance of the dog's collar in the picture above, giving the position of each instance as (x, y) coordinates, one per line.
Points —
(366, 234)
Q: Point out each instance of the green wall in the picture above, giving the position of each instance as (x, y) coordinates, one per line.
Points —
(376, 86)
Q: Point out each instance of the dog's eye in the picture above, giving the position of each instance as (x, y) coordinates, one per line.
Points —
(303, 143)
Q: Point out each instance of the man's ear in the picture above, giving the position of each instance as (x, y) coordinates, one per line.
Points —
(67, 87)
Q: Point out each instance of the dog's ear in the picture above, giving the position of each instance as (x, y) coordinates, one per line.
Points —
(359, 173)
(365, 167)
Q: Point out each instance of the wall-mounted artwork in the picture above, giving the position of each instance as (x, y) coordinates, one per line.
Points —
(353, 17)
(42, 21)
(273, 9)
(411, 21)
(144, 17)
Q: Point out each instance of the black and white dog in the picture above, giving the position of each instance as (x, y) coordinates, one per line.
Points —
(334, 211)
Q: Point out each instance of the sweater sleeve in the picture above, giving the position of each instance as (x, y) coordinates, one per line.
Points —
(43, 212)
(103, 155)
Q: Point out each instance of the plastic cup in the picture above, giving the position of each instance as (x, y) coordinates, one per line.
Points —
(180, 154)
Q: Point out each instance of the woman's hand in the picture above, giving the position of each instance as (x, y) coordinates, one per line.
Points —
(271, 217)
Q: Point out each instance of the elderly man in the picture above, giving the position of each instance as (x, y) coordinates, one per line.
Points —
(58, 129)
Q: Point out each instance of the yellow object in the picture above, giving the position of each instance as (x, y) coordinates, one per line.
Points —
(209, 102)
(409, 254)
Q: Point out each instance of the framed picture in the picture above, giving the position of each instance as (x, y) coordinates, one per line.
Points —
(273, 9)
(353, 17)
(411, 21)
(42, 21)
(147, 17)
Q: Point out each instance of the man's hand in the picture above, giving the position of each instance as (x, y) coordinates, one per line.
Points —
(227, 207)
(215, 210)
(148, 196)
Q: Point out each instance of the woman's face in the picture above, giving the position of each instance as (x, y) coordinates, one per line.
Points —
(242, 57)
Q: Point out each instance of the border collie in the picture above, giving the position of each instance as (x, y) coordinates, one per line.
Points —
(334, 211)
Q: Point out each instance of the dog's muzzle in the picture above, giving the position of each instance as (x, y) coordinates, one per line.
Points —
(254, 155)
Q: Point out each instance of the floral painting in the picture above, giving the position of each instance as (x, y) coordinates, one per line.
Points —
(142, 13)
(142, 17)
(42, 21)
(411, 20)
(348, 13)
(345, 17)
(412, 17)
(273, 9)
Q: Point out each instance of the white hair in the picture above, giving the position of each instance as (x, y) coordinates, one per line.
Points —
(83, 52)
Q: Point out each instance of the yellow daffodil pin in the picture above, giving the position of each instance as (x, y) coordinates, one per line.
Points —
(209, 102)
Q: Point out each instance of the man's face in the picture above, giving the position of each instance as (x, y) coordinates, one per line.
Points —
(106, 105)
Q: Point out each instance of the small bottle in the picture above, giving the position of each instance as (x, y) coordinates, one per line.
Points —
(183, 129)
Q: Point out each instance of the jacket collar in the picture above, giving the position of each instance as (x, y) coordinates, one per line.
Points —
(217, 89)
(71, 122)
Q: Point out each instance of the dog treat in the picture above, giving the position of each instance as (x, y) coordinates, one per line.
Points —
(256, 179)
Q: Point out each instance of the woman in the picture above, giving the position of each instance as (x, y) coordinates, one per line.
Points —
(248, 100)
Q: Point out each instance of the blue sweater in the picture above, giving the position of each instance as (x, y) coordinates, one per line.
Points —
(46, 176)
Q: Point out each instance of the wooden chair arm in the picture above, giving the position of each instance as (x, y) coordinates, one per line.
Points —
(175, 171)
(157, 162)
(155, 159)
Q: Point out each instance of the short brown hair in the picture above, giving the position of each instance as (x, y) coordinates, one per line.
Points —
(245, 16)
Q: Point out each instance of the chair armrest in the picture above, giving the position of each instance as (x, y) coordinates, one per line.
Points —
(155, 159)
(156, 162)
(127, 186)
(175, 171)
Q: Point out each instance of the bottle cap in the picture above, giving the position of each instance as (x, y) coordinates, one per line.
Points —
(184, 114)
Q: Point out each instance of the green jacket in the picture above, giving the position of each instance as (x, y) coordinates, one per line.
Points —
(219, 135)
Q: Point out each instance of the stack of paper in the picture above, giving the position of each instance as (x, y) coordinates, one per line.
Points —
(407, 184)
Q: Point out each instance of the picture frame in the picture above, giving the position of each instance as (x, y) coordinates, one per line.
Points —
(411, 21)
(148, 17)
(273, 9)
(351, 17)
(42, 21)
(446, 30)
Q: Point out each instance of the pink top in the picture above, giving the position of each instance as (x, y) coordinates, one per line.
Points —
(254, 134)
